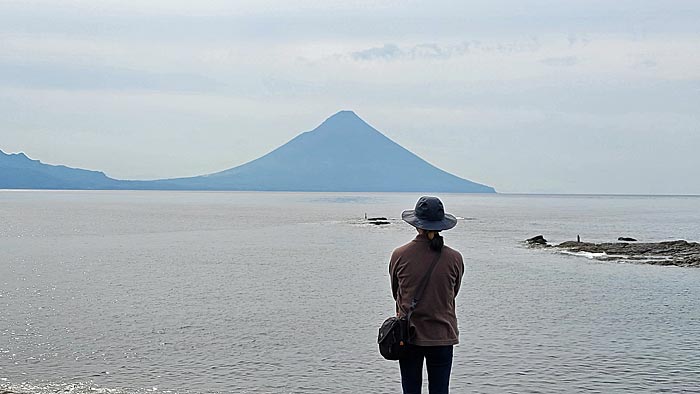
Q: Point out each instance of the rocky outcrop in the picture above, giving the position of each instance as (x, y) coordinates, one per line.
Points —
(679, 253)
(626, 239)
(377, 221)
(537, 241)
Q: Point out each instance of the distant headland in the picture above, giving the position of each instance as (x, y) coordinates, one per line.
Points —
(343, 154)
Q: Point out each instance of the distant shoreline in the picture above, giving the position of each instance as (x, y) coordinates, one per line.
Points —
(502, 194)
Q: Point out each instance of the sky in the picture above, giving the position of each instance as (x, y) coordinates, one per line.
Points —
(527, 96)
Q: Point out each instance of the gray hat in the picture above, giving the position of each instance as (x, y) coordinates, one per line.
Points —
(429, 215)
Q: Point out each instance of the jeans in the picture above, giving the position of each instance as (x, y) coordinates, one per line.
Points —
(438, 360)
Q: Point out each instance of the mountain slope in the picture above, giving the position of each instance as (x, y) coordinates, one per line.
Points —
(343, 154)
(17, 171)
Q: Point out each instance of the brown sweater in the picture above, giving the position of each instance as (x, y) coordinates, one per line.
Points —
(434, 319)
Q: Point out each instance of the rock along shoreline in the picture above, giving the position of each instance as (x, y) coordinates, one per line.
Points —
(679, 253)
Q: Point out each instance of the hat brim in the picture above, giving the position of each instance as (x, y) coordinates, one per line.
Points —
(409, 216)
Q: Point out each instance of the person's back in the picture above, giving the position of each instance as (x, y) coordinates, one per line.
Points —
(433, 322)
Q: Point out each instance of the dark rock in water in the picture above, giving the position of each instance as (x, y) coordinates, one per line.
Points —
(538, 240)
(627, 239)
(680, 253)
(378, 221)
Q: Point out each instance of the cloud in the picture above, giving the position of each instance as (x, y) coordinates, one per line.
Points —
(644, 62)
(575, 39)
(388, 52)
(564, 61)
(391, 51)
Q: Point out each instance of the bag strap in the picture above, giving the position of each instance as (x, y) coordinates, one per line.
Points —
(424, 283)
(421, 289)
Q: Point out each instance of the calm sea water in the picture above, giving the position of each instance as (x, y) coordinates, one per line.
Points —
(283, 293)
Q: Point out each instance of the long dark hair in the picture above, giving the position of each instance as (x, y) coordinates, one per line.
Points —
(436, 240)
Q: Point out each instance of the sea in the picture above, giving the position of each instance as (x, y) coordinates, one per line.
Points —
(281, 293)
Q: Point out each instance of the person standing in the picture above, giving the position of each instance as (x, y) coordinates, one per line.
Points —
(433, 324)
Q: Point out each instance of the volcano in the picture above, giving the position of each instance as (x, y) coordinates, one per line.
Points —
(343, 154)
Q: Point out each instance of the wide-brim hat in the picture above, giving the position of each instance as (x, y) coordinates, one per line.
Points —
(429, 214)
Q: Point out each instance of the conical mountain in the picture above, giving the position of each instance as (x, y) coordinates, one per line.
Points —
(344, 154)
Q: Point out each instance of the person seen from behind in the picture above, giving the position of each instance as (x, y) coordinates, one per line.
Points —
(433, 324)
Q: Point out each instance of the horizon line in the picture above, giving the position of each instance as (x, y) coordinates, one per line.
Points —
(516, 194)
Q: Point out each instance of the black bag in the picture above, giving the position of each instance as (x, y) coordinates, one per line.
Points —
(392, 338)
(394, 334)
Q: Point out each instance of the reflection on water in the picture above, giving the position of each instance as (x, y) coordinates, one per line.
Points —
(283, 293)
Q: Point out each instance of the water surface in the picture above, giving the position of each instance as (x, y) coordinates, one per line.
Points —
(283, 293)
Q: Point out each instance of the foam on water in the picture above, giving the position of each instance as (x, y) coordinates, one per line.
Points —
(602, 256)
(594, 256)
(71, 388)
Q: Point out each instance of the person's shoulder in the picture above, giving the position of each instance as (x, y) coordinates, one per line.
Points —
(454, 253)
(403, 248)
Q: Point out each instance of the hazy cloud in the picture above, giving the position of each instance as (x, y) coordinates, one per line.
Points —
(644, 61)
(564, 61)
(71, 77)
(577, 39)
(387, 52)
(392, 51)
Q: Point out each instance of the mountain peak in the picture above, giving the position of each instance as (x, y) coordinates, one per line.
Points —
(344, 117)
(345, 121)
(344, 114)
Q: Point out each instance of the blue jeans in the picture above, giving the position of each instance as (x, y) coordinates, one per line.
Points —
(438, 360)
